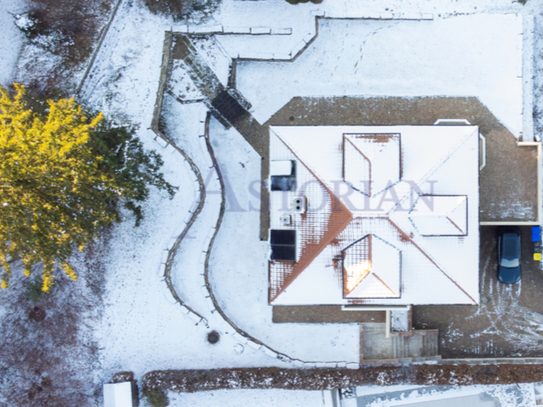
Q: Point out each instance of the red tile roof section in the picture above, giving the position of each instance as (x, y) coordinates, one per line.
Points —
(360, 253)
(283, 273)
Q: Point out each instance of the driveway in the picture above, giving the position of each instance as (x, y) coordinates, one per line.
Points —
(508, 322)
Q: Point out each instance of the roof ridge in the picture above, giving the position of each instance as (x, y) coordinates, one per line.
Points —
(455, 208)
(382, 282)
(448, 156)
(455, 225)
(410, 239)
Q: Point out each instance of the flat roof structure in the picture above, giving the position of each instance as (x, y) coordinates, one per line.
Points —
(384, 215)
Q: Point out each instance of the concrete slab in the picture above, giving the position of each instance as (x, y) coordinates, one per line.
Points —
(414, 344)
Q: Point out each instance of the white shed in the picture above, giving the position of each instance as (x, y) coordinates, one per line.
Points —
(118, 394)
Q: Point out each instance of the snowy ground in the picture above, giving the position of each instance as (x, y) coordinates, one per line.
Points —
(524, 395)
(141, 329)
(246, 398)
(12, 39)
(449, 57)
(506, 395)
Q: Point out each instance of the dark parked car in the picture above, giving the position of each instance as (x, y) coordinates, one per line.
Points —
(509, 255)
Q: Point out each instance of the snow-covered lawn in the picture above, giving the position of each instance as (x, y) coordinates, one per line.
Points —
(477, 55)
(248, 398)
(137, 311)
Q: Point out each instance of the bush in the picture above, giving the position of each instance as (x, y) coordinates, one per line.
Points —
(46, 359)
(63, 175)
(182, 9)
(156, 398)
(65, 29)
(34, 292)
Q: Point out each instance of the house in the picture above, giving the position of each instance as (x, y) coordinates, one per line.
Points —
(374, 215)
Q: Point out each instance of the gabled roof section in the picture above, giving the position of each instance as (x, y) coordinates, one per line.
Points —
(356, 167)
(434, 215)
(381, 151)
(371, 269)
(357, 264)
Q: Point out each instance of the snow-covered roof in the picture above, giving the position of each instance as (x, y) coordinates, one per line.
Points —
(278, 168)
(440, 215)
(371, 162)
(392, 215)
(118, 394)
(371, 269)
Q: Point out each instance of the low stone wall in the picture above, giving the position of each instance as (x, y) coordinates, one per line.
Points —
(166, 57)
(169, 253)
(229, 30)
(100, 42)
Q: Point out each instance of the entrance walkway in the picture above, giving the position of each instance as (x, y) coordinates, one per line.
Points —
(399, 346)
(324, 314)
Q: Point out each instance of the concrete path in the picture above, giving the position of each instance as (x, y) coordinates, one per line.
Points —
(324, 314)
(412, 345)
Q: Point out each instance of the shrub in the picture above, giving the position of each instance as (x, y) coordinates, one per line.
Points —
(157, 398)
(63, 175)
(66, 31)
(45, 357)
(182, 9)
(64, 27)
(34, 292)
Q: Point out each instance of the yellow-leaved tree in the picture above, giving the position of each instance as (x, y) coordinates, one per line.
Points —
(62, 175)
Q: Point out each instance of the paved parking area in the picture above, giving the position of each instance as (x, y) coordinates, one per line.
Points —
(508, 322)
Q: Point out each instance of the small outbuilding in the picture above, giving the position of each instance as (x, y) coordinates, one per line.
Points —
(118, 394)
